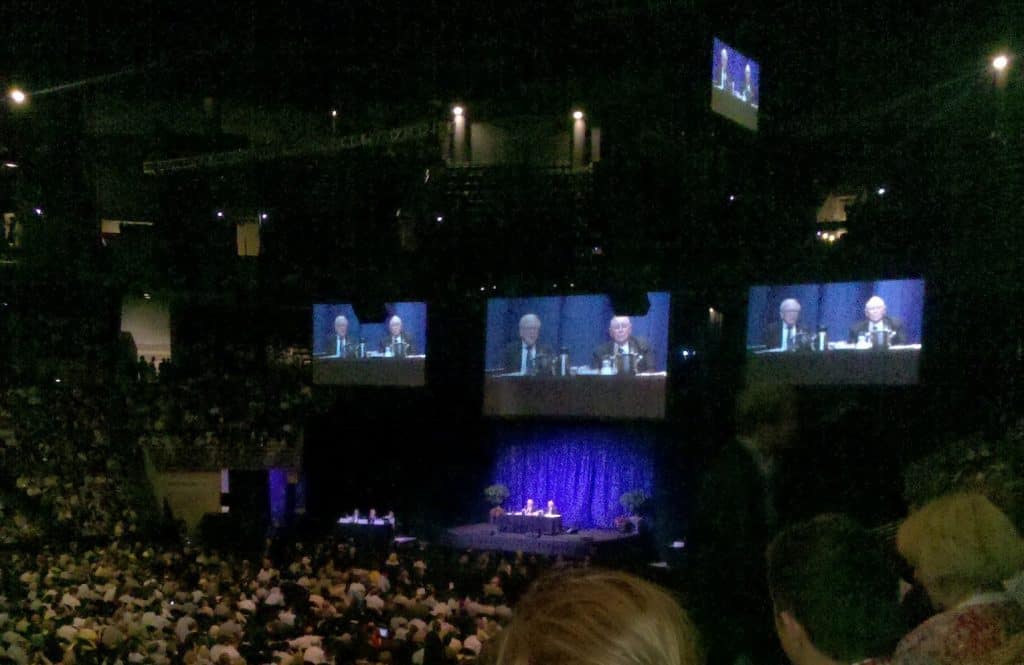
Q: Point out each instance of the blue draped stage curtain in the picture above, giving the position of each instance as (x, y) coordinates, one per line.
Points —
(585, 470)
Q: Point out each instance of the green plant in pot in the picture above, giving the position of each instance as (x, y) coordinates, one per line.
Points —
(496, 495)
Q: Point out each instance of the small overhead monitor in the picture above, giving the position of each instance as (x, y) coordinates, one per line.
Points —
(348, 350)
(735, 82)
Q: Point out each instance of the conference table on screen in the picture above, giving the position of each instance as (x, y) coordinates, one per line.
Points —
(371, 371)
(581, 394)
(548, 525)
(841, 364)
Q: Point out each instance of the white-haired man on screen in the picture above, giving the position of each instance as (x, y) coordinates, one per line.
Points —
(338, 343)
(397, 340)
(787, 333)
(620, 330)
(876, 319)
(526, 355)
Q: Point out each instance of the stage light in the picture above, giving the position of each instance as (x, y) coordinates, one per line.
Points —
(732, 197)
(1000, 62)
(334, 113)
(56, 380)
(881, 191)
(440, 219)
(39, 211)
(457, 111)
(147, 296)
(483, 288)
(263, 215)
(10, 165)
(220, 214)
(577, 115)
(17, 96)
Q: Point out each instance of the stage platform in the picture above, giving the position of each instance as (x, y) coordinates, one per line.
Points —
(597, 543)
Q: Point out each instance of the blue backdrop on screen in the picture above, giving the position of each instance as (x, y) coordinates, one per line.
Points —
(735, 71)
(413, 315)
(837, 306)
(578, 323)
(585, 470)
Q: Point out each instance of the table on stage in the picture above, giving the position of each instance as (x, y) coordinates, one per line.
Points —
(841, 364)
(371, 371)
(548, 525)
(618, 396)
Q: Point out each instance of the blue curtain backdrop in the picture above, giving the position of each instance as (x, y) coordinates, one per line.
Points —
(585, 470)
(413, 315)
(578, 323)
(837, 306)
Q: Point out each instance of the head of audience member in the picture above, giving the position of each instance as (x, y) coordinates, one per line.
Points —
(960, 545)
(529, 506)
(620, 328)
(835, 596)
(395, 326)
(551, 507)
(341, 326)
(529, 329)
(598, 617)
(767, 417)
(874, 309)
(789, 311)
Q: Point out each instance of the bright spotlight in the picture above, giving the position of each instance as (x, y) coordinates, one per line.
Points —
(10, 165)
(881, 191)
(220, 214)
(457, 111)
(577, 115)
(1000, 62)
(334, 113)
(18, 96)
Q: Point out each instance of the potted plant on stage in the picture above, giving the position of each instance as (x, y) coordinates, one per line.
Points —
(631, 502)
(496, 494)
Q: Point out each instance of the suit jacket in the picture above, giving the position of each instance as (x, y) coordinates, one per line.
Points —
(895, 325)
(512, 356)
(329, 345)
(385, 342)
(635, 345)
(773, 335)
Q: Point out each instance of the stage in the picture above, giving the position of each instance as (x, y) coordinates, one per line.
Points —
(597, 543)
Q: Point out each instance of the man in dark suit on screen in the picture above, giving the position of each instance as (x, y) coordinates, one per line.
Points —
(787, 333)
(338, 344)
(526, 356)
(622, 343)
(397, 341)
(877, 319)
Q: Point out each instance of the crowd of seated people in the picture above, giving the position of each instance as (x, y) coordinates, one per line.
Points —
(218, 416)
(64, 467)
(135, 604)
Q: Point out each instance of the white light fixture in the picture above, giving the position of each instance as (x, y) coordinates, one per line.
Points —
(10, 165)
(17, 96)
(263, 215)
(1000, 62)
(577, 115)
(220, 214)
(457, 111)
(39, 211)
(881, 191)
(334, 113)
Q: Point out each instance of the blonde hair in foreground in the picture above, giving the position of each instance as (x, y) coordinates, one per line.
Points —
(598, 617)
(959, 544)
